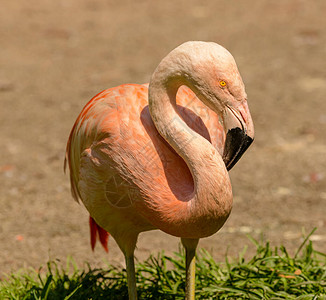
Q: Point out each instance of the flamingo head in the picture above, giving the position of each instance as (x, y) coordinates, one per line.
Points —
(214, 76)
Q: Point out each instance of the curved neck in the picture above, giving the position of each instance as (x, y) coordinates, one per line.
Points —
(212, 188)
(186, 142)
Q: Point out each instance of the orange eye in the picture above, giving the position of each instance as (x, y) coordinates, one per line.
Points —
(222, 83)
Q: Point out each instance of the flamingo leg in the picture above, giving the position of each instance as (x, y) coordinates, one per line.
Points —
(190, 246)
(131, 277)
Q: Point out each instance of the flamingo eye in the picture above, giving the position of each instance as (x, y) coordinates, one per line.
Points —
(222, 83)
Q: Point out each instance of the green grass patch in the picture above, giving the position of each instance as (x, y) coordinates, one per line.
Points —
(270, 274)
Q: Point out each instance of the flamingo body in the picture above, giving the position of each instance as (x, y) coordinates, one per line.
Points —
(120, 163)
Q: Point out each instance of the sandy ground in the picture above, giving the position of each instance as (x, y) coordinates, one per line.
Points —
(56, 55)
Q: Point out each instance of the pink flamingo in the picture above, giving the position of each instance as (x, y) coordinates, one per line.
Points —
(144, 157)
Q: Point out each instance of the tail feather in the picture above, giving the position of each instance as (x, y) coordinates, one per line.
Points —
(104, 238)
(102, 234)
(93, 231)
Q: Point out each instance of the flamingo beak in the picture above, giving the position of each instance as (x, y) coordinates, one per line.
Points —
(239, 133)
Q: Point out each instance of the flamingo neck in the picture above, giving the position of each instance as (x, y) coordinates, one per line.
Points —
(212, 196)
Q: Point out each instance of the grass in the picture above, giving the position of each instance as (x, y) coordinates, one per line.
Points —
(270, 274)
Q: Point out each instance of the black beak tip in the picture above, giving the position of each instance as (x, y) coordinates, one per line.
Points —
(236, 143)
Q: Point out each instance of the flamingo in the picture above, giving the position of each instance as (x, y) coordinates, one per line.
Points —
(145, 157)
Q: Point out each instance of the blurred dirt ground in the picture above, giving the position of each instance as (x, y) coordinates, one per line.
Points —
(56, 55)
